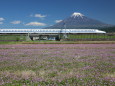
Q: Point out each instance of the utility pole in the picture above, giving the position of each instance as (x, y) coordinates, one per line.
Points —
(28, 37)
(65, 35)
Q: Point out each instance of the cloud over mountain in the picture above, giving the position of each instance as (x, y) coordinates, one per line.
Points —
(57, 21)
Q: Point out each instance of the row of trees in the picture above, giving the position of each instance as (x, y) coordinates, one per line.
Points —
(109, 29)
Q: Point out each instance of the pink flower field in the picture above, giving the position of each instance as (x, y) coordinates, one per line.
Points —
(57, 65)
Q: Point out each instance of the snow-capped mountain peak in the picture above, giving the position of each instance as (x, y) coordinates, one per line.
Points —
(79, 21)
(76, 14)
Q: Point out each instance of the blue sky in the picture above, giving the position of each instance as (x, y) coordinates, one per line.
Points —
(43, 13)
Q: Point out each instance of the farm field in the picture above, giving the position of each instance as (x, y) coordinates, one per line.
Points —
(12, 37)
(23, 37)
(57, 65)
(91, 36)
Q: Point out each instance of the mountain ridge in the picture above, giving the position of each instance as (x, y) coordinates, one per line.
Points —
(79, 21)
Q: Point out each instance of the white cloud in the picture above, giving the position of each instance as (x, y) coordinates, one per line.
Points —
(35, 24)
(39, 16)
(57, 21)
(2, 19)
(1, 22)
(16, 22)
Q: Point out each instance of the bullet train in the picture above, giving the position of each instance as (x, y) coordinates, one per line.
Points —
(49, 31)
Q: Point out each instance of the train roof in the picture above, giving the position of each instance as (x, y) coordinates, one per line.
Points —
(51, 31)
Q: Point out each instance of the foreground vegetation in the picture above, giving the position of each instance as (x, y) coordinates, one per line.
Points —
(109, 29)
(57, 42)
(23, 37)
(57, 65)
(10, 37)
(93, 36)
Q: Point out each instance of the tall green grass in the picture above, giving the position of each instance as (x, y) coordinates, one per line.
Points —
(12, 37)
(96, 36)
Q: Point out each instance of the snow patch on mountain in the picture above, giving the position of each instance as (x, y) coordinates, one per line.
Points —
(77, 14)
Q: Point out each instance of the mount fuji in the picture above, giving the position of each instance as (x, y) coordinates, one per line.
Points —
(79, 21)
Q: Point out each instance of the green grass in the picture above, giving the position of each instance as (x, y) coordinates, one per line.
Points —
(57, 42)
(9, 42)
(12, 37)
(21, 39)
(90, 36)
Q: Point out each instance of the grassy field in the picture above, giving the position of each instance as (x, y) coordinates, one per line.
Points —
(23, 37)
(57, 65)
(57, 42)
(96, 36)
(12, 37)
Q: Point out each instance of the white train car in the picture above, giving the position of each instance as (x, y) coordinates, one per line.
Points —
(49, 31)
